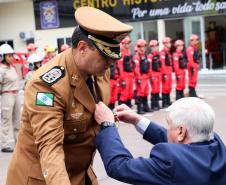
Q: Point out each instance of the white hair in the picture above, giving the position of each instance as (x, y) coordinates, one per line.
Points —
(196, 115)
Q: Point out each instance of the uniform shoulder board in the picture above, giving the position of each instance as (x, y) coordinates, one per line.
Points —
(53, 75)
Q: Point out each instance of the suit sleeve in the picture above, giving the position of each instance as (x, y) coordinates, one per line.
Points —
(47, 125)
(120, 164)
(155, 134)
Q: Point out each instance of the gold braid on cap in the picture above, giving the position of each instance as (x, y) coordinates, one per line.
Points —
(107, 50)
(105, 47)
(102, 42)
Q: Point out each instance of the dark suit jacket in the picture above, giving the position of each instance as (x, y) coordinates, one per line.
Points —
(177, 164)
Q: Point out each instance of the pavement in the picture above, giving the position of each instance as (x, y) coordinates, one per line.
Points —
(211, 87)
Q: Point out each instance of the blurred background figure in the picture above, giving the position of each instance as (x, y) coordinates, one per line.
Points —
(180, 67)
(10, 102)
(193, 58)
(166, 69)
(31, 48)
(50, 52)
(114, 76)
(155, 74)
(34, 62)
(142, 76)
(126, 66)
(64, 47)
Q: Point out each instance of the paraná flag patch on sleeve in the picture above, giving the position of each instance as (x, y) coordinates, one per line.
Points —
(44, 99)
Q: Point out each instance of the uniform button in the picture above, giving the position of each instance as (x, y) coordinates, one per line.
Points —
(71, 137)
(75, 130)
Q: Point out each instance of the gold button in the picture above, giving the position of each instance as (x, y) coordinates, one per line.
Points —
(62, 68)
(71, 137)
(75, 130)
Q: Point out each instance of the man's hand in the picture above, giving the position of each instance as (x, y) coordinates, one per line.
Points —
(125, 114)
(103, 113)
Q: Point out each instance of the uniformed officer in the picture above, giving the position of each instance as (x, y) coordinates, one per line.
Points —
(180, 67)
(10, 103)
(55, 144)
(126, 66)
(193, 57)
(166, 69)
(142, 76)
(155, 74)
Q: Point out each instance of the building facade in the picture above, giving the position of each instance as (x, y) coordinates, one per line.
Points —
(52, 22)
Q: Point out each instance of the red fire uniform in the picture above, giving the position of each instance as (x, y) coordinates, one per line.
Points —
(155, 72)
(193, 58)
(114, 76)
(166, 69)
(180, 67)
(126, 78)
(142, 70)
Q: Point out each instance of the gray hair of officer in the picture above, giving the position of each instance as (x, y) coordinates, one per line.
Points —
(196, 115)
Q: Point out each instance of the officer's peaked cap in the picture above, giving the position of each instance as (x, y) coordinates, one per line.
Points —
(103, 30)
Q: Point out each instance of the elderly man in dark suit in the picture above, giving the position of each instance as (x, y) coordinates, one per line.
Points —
(188, 152)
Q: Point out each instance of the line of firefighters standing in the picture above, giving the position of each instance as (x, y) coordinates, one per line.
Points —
(155, 68)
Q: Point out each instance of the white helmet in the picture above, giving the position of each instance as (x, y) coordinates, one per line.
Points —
(5, 49)
(33, 58)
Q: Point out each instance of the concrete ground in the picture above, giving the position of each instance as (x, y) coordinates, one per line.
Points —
(212, 87)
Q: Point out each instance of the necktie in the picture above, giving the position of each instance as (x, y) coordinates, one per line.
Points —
(91, 87)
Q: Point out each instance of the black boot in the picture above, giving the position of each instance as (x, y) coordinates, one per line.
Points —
(145, 104)
(192, 92)
(111, 106)
(156, 102)
(164, 103)
(129, 104)
(178, 94)
(139, 105)
(152, 102)
(168, 101)
(182, 93)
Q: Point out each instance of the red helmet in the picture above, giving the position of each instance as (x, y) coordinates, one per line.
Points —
(166, 40)
(64, 47)
(194, 37)
(31, 47)
(179, 43)
(141, 43)
(153, 43)
(126, 40)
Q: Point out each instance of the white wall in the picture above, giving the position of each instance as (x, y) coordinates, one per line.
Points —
(14, 18)
(18, 16)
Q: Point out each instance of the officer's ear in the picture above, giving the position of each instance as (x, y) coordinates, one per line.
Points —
(82, 47)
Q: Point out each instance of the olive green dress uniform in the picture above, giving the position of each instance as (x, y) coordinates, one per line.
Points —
(10, 105)
(55, 143)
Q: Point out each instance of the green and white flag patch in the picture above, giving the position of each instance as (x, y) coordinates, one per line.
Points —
(44, 99)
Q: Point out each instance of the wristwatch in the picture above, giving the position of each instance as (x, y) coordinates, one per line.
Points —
(106, 124)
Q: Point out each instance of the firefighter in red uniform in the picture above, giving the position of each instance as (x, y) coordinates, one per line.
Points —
(142, 70)
(155, 74)
(126, 66)
(193, 58)
(114, 76)
(166, 69)
(180, 67)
